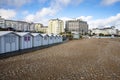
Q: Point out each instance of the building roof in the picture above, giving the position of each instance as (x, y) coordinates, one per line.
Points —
(76, 20)
(21, 33)
(50, 34)
(16, 21)
(35, 34)
(55, 19)
(59, 35)
(44, 35)
(103, 28)
(54, 35)
(38, 23)
(2, 33)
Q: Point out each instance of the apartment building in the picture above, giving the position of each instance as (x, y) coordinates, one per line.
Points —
(105, 31)
(78, 26)
(55, 26)
(40, 28)
(2, 21)
(17, 25)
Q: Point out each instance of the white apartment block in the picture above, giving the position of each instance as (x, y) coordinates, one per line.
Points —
(2, 21)
(55, 26)
(17, 25)
(38, 27)
(105, 31)
(11, 23)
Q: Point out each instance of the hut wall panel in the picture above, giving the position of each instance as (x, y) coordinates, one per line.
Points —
(0, 44)
(17, 43)
(7, 47)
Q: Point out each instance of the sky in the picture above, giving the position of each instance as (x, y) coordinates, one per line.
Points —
(97, 13)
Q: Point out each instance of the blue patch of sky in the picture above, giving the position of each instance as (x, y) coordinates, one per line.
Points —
(90, 8)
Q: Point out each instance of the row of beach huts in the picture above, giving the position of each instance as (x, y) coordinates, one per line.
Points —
(14, 41)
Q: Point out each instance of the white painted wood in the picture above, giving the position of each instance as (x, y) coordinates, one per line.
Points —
(45, 39)
(25, 40)
(51, 39)
(0, 45)
(55, 38)
(37, 39)
(8, 41)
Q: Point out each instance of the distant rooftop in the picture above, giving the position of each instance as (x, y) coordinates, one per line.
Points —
(80, 20)
(55, 19)
(21, 33)
(104, 28)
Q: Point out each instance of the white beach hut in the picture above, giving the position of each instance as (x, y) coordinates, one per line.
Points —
(9, 42)
(61, 38)
(37, 39)
(25, 40)
(45, 39)
(51, 38)
(58, 38)
(55, 38)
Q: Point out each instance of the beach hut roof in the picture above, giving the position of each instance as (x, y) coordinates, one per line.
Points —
(54, 35)
(2, 33)
(58, 35)
(44, 35)
(35, 34)
(21, 33)
(50, 35)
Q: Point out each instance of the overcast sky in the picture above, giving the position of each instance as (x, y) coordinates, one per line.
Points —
(98, 13)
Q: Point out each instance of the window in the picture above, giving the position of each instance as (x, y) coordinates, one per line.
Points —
(27, 38)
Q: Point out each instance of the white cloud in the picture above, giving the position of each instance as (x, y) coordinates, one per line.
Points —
(7, 13)
(109, 2)
(30, 18)
(41, 14)
(85, 18)
(16, 3)
(110, 21)
(66, 18)
(44, 13)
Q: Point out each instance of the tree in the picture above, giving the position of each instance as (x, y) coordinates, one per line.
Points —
(101, 34)
(94, 34)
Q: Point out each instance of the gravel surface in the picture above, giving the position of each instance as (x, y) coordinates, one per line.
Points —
(87, 59)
